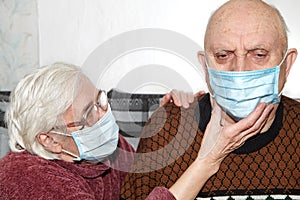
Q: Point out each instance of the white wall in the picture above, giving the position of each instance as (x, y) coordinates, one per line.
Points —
(71, 30)
(18, 41)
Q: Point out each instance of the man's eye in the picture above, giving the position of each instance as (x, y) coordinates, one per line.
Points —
(223, 55)
(259, 53)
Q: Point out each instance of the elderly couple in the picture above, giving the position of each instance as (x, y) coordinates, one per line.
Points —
(65, 143)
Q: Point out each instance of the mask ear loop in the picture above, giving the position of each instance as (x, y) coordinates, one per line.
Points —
(282, 61)
(284, 57)
(76, 158)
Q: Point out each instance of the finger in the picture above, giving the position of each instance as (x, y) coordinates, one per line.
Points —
(250, 120)
(233, 136)
(167, 98)
(186, 99)
(190, 97)
(198, 94)
(182, 99)
(258, 123)
(177, 97)
(243, 130)
(261, 122)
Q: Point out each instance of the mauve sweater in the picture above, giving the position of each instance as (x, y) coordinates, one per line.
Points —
(26, 176)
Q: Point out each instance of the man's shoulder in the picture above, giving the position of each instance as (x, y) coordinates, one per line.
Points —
(291, 101)
(292, 106)
(168, 121)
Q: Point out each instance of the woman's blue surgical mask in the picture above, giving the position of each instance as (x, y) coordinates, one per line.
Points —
(238, 93)
(97, 142)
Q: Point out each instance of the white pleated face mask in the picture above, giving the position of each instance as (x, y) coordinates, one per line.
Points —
(97, 142)
(238, 93)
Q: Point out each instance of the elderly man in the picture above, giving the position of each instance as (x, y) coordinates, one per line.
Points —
(247, 61)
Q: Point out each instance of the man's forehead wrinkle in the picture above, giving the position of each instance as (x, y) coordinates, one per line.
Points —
(260, 16)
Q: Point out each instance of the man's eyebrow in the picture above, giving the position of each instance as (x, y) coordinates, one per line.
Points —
(260, 47)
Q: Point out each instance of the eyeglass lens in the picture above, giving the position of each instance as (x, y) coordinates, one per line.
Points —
(92, 116)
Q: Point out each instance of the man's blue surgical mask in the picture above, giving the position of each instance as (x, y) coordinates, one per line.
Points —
(238, 93)
(97, 142)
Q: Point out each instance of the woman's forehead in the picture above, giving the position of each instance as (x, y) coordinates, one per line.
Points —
(86, 94)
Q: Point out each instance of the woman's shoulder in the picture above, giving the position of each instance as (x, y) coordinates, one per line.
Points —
(17, 164)
(25, 175)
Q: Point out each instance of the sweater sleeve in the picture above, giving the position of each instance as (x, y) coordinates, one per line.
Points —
(160, 193)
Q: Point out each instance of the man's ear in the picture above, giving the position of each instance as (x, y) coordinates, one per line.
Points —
(49, 143)
(290, 59)
(201, 58)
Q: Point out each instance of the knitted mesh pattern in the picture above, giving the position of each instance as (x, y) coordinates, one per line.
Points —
(273, 169)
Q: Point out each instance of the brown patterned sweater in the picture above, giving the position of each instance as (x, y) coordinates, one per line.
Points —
(265, 167)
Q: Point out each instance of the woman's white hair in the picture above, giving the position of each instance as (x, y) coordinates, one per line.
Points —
(38, 103)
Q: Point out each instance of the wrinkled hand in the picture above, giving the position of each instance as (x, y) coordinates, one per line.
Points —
(180, 98)
(220, 140)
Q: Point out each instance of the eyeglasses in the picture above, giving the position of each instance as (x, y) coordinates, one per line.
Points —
(91, 115)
